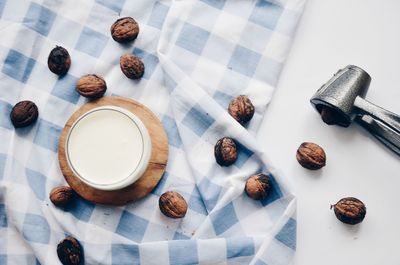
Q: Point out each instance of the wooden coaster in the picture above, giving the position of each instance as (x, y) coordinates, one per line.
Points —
(154, 172)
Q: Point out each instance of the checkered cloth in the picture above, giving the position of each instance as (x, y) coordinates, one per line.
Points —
(198, 56)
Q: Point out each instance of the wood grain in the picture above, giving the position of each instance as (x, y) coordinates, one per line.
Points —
(154, 171)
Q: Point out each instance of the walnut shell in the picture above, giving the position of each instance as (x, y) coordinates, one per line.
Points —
(69, 251)
(350, 210)
(61, 196)
(131, 66)
(91, 86)
(311, 156)
(59, 60)
(172, 204)
(241, 109)
(225, 151)
(333, 117)
(258, 186)
(125, 29)
(24, 113)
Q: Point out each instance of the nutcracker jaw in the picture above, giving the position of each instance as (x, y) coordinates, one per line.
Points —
(341, 101)
(339, 94)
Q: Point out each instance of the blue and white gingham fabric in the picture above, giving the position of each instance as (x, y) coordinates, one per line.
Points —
(198, 55)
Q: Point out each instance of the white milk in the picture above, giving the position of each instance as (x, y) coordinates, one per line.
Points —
(105, 147)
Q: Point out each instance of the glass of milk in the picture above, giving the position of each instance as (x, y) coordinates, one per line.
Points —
(108, 148)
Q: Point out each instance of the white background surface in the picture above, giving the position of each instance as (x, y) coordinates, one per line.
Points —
(333, 34)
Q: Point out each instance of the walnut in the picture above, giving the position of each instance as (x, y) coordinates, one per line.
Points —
(125, 29)
(61, 196)
(91, 86)
(225, 151)
(131, 66)
(241, 109)
(311, 156)
(333, 117)
(59, 60)
(258, 186)
(172, 204)
(350, 210)
(69, 251)
(24, 113)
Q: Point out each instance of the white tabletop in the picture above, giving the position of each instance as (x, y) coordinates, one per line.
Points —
(333, 34)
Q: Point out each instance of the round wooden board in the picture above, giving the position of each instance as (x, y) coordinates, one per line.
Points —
(154, 172)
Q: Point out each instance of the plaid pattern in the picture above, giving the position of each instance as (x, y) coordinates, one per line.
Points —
(198, 55)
